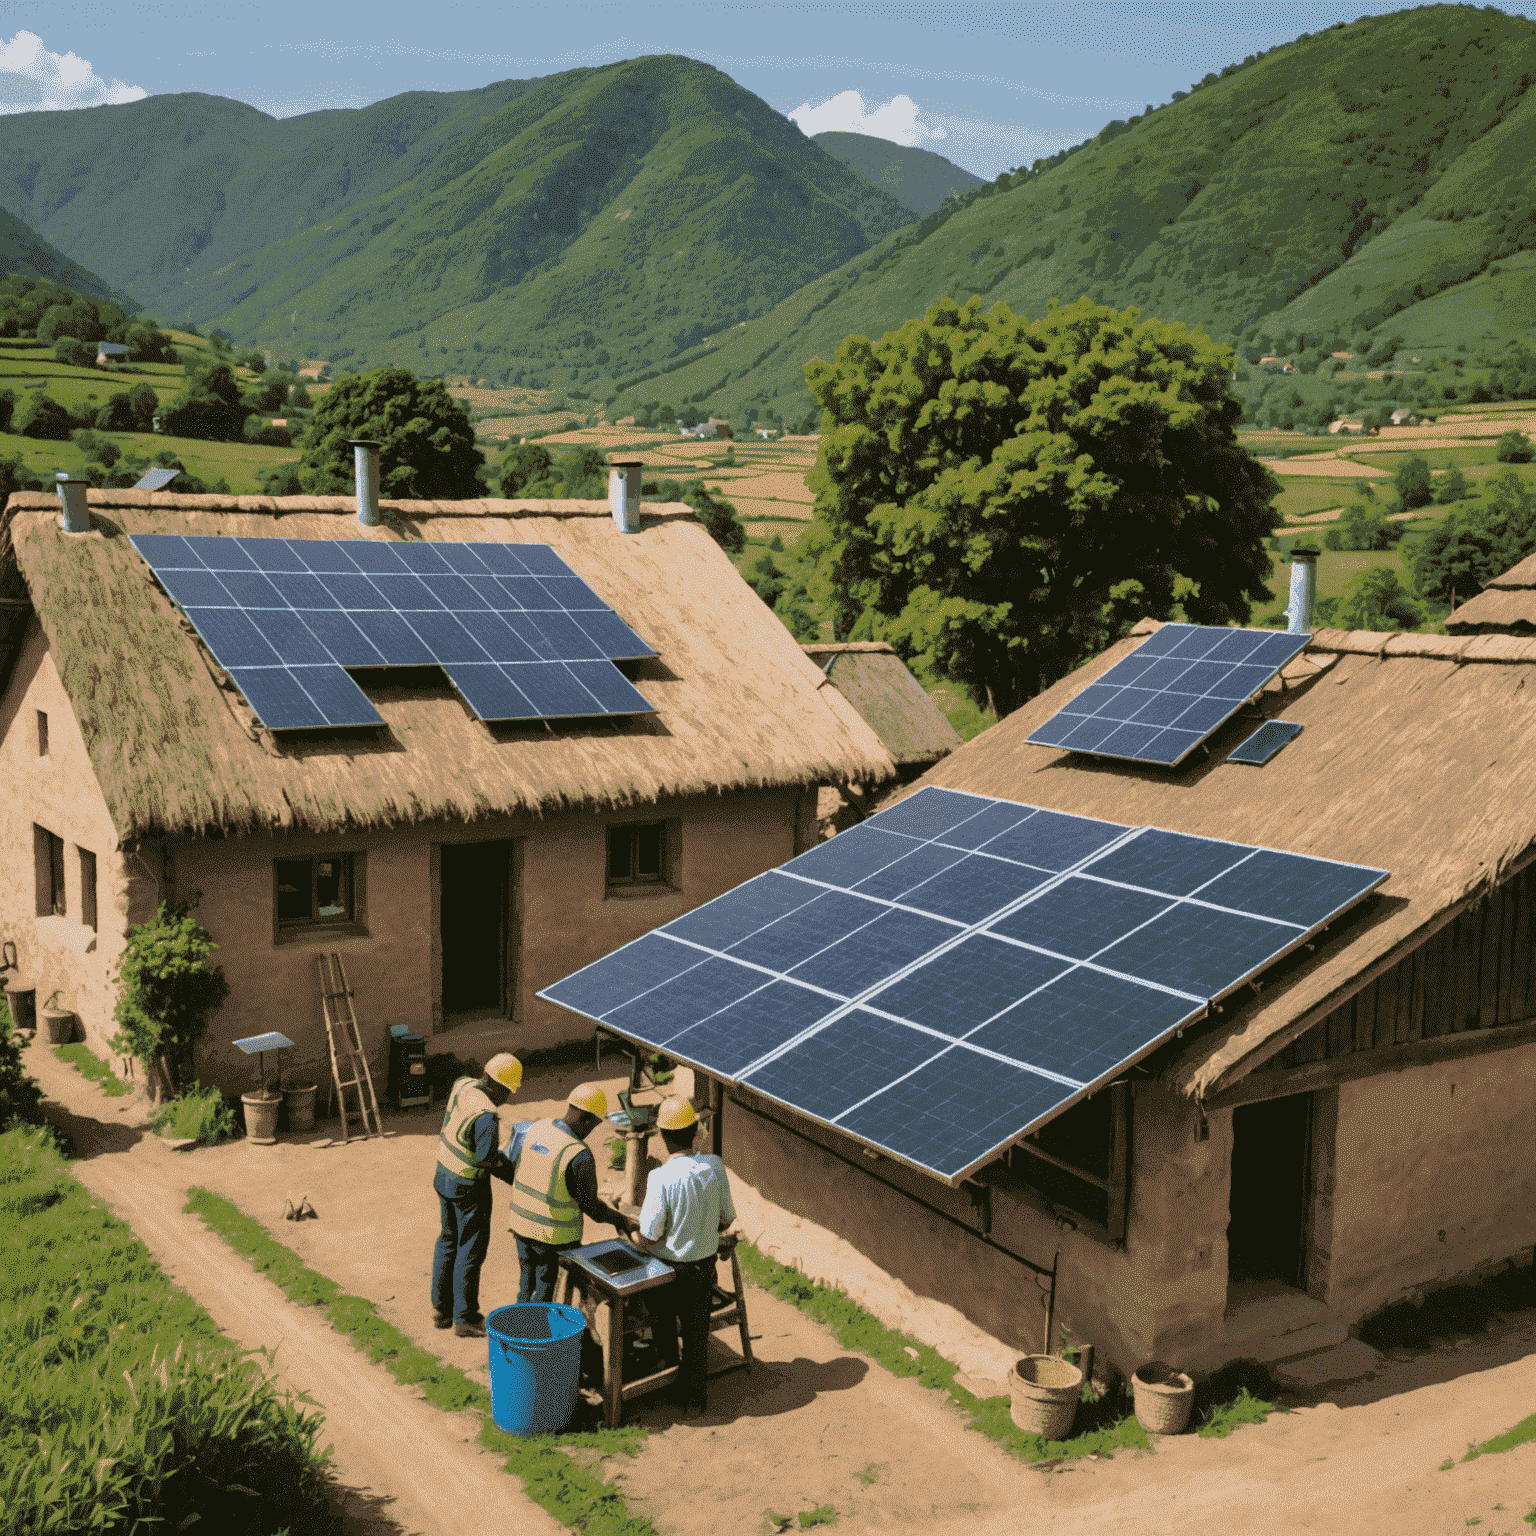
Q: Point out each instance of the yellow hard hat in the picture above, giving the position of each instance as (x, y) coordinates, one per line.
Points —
(506, 1069)
(675, 1114)
(590, 1098)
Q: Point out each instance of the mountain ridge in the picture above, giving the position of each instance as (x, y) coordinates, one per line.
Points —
(917, 178)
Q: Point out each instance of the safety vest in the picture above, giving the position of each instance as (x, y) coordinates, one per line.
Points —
(542, 1208)
(456, 1149)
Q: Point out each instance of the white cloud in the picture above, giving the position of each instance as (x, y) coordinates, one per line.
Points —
(896, 119)
(34, 80)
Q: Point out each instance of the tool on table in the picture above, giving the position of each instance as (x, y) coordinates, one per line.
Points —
(341, 1018)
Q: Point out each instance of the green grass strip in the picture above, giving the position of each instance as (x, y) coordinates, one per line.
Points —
(572, 1494)
(903, 1355)
(88, 1064)
(1522, 1433)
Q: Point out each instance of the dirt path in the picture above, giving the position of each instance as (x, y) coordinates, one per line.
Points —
(814, 1424)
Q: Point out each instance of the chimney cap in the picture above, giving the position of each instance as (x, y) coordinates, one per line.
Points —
(64, 477)
(626, 463)
(362, 442)
(1304, 557)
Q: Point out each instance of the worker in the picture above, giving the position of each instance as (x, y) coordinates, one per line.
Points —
(555, 1184)
(468, 1155)
(687, 1206)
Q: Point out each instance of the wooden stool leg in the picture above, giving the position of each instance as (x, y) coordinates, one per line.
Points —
(563, 1293)
(613, 1365)
(741, 1308)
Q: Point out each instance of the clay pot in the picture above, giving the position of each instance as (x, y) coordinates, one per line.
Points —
(1163, 1398)
(1045, 1393)
(299, 1106)
(58, 1026)
(261, 1117)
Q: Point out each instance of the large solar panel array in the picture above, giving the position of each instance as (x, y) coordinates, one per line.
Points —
(1170, 693)
(952, 973)
(519, 633)
(1265, 742)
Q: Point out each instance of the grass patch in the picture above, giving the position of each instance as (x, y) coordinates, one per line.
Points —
(1220, 1421)
(90, 1065)
(125, 1407)
(1521, 1434)
(571, 1493)
(201, 1114)
(1103, 1426)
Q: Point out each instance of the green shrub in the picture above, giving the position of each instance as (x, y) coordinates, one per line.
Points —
(1514, 447)
(201, 1114)
(166, 990)
(20, 1097)
(1219, 1422)
(126, 1409)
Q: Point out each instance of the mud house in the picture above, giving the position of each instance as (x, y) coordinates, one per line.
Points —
(455, 865)
(1356, 1127)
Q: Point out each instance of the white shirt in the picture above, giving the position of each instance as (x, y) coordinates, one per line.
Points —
(687, 1201)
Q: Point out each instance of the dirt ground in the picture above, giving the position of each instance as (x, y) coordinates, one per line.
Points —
(812, 1424)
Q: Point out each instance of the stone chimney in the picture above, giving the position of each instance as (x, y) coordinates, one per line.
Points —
(624, 493)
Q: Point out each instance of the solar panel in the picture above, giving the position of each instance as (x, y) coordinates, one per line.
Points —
(1265, 742)
(519, 633)
(944, 978)
(155, 479)
(1170, 693)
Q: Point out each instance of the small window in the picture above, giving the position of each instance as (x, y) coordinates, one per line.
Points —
(87, 888)
(316, 892)
(48, 864)
(637, 854)
(1079, 1160)
(42, 733)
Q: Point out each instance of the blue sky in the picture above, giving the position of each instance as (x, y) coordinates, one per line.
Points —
(990, 86)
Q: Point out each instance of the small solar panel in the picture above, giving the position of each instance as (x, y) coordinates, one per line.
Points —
(1170, 693)
(1265, 742)
(156, 479)
(950, 974)
(271, 1042)
(520, 635)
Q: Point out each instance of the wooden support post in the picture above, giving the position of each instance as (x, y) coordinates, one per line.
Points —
(634, 1167)
(613, 1364)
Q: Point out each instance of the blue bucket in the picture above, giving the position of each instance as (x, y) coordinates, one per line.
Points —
(535, 1350)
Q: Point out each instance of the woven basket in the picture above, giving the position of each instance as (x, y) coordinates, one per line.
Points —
(1163, 1398)
(1045, 1392)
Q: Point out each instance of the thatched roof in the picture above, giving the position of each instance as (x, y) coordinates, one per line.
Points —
(738, 704)
(1417, 755)
(1507, 605)
(875, 680)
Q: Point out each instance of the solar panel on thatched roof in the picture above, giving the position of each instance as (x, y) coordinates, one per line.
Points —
(1265, 742)
(1170, 693)
(946, 977)
(519, 633)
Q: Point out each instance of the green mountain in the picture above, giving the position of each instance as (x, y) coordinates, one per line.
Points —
(24, 250)
(1330, 186)
(577, 226)
(917, 178)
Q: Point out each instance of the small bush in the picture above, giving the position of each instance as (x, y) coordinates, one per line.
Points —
(202, 1114)
(1219, 1422)
(1514, 447)
(20, 1097)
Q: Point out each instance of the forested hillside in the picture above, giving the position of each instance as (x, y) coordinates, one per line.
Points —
(23, 250)
(588, 224)
(1326, 187)
(917, 178)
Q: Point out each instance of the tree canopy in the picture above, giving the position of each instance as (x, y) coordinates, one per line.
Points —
(1000, 497)
(208, 405)
(1476, 541)
(426, 444)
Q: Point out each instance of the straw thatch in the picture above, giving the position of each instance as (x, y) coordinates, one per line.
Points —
(1417, 755)
(875, 680)
(738, 704)
(1507, 605)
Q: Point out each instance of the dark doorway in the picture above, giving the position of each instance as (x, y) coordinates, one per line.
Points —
(1266, 1235)
(476, 911)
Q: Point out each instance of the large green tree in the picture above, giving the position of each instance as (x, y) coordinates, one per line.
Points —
(999, 497)
(426, 444)
(208, 405)
(1476, 541)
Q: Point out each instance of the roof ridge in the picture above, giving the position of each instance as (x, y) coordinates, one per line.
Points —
(482, 506)
(1458, 648)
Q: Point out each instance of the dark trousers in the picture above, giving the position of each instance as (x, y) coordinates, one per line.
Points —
(540, 1264)
(460, 1252)
(682, 1306)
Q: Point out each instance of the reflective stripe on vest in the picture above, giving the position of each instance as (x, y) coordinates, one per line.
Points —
(542, 1208)
(456, 1142)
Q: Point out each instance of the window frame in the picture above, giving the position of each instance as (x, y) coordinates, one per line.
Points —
(48, 870)
(1114, 1183)
(315, 928)
(634, 884)
(88, 909)
(42, 733)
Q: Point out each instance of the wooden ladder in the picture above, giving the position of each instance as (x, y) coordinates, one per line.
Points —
(341, 1018)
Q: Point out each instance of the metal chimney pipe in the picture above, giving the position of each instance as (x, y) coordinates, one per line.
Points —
(1298, 615)
(365, 461)
(76, 517)
(624, 493)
